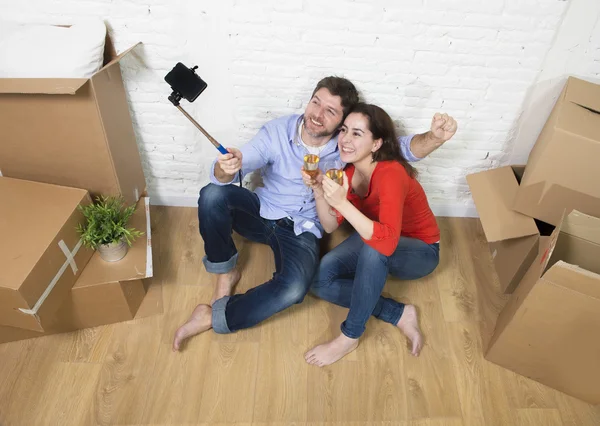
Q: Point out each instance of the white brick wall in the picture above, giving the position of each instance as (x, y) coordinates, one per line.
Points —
(474, 59)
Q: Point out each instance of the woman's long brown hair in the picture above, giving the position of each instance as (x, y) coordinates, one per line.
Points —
(382, 127)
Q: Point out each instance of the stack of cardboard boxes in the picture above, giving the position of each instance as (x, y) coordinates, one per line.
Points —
(64, 142)
(542, 224)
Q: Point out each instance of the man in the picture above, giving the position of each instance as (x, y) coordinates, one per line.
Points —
(282, 213)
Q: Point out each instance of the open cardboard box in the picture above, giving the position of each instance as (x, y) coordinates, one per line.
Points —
(105, 293)
(562, 170)
(549, 329)
(513, 237)
(42, 256)
(74, 132)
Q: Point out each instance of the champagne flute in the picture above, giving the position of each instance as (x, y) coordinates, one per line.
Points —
(311, 165)
(311, 168)
(333, 170)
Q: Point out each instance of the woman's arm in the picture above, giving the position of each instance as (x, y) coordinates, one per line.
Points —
(328, 221)
(336, 196)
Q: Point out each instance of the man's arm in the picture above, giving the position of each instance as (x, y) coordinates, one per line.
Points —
(417, 147)
(252, 156)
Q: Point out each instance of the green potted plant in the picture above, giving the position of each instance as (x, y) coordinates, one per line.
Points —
(106, 227)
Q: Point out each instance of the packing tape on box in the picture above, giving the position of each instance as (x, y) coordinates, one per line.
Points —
(0, 173)
(69, 262)
(68, 255)
(149, 270)
(136, 194)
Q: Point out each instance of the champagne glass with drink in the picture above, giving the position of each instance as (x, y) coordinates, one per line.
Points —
(311, 167)
(334, 171)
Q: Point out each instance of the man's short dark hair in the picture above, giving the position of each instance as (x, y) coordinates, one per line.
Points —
(342, 87)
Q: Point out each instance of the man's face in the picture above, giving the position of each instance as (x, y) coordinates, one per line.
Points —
(323, 114)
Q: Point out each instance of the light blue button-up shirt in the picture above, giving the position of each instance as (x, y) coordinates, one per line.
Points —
(277, 150)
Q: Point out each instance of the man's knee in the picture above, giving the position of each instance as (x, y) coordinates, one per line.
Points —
(212, 195)
(293, 291)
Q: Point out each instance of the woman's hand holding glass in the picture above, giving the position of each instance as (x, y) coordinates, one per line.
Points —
(335, 194)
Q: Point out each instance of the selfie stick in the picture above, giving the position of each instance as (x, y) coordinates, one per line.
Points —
(175, 97)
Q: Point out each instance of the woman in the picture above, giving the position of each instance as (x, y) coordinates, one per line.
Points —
(396, 232)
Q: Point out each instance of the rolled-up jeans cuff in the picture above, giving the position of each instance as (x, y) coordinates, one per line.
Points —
(219, 320)
(349, 333)
(220, 267)
(392, 314)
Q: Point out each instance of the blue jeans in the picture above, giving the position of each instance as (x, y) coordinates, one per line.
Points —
(353, 275)
(222, 209)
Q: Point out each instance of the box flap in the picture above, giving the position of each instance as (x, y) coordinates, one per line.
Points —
(582, 226)
(584, 94)
(575, 278)
(493, 192)
(136, 264)
(111, 102)
(120, 56)
(47, 86)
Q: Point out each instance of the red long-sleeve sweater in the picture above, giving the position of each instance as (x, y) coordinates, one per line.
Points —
(397, 205)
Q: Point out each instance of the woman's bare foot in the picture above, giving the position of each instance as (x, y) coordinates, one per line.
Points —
(331, 352)
(225, 284)
(409, 325)
(200, 320)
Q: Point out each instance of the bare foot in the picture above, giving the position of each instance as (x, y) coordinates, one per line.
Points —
(331, 352)
(409, 325)
(225, 284)
(200, 320)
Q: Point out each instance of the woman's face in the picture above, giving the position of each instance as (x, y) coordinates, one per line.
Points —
(355, 140)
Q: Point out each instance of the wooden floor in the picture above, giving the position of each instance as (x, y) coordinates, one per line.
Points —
(126, 374)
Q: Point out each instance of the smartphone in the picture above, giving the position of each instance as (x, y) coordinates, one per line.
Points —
(186, 82)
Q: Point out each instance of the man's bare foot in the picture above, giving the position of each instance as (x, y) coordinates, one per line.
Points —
(200, 320)
(225, 284)
(409, 325)
(331, 352)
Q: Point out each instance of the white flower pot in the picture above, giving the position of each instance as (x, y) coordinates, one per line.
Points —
(113, 252)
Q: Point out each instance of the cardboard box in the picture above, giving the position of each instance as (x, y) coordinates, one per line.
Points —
(549, 329)
(72, 132)
(41, 253)
(513, 237)
(105, 293)
(562, 171)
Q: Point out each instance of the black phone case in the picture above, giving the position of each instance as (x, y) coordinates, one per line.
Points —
(186, 82)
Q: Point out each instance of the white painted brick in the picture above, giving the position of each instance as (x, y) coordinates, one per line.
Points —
(466, 5)
(342, 10)
(539, 7)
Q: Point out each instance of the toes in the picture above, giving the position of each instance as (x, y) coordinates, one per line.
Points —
(177, 341)
(417, 346)
(309, 358)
